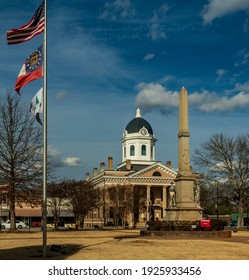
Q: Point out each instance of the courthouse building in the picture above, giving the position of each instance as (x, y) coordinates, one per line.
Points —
(151, 180)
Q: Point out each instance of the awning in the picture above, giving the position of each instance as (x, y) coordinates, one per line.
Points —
(36, 212)
(32, 212)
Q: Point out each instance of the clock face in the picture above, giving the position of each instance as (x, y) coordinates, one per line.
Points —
(143, 131)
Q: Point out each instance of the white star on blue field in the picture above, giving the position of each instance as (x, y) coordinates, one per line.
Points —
(106, 58)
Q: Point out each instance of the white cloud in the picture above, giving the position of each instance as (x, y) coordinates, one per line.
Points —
(245, 59)
(118, 8)
(166, 79)
(225, 104)
(218, 8)
(242, 87)
(154, 96)
(196, 98)
(243, 56)
(220, 73)
(53, 152)
(56, 158)
(149, 56)
(61, 95)
(156, 30)
(72, 161)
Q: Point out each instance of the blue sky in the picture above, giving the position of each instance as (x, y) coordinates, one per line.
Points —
(107, 57)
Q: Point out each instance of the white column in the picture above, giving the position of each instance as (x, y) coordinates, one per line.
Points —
(164, 201)
(147, 203)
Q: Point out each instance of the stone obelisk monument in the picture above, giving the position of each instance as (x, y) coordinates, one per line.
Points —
(185, 207)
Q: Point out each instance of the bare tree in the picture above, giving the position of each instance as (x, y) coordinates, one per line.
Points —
(135, 197)
(225, 163)
(20, 151)
(124, 201)
(117, 203)
(215, 199)
(56, 196)
(82, 198)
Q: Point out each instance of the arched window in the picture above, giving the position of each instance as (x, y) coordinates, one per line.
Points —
(132, 150)
(124, 151)
(151, 151)
(143, 150)
(157, 173)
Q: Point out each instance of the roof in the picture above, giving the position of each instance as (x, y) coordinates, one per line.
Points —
(156, 174)
(135, 167)
(137, 123)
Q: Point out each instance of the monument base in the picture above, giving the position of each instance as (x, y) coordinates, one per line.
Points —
(184, 214)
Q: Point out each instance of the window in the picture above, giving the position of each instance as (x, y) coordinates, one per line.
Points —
(132, 150)
(124, 151)
(157, 173)
(151, 151)
(143, 150)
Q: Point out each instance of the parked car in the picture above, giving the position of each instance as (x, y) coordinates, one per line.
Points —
(19, 225)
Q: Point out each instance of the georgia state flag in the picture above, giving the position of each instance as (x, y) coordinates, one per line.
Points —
(31, 69)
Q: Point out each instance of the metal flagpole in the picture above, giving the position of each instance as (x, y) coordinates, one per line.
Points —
(44, 195)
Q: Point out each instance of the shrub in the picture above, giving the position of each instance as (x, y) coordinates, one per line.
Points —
(218, 224)
(173, 225)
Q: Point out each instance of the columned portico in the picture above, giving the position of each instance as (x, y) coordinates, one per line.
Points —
(157, 200)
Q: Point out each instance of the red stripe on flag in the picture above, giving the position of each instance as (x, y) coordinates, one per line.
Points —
(27, 78)
(29, 30)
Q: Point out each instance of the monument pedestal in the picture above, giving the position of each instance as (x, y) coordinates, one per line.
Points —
(183, 214)
(186, 207)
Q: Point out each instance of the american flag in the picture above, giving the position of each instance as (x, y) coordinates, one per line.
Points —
(29, 30)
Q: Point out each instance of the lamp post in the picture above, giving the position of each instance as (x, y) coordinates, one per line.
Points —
(1, 202)
(1, 216)
(247, 216)
(92, 217)
(247, 207)
(216, 197)
(217, 201)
